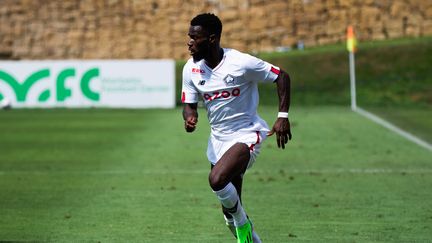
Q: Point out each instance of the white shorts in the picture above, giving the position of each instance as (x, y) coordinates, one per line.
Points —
(216, 148)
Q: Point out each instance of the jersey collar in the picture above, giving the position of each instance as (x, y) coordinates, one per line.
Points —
(219, 65)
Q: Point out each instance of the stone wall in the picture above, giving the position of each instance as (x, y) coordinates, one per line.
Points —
(118, 29)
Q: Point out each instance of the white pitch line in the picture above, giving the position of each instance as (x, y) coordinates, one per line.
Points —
(394, 128)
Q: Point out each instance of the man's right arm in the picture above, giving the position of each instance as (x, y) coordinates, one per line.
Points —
(190, 116)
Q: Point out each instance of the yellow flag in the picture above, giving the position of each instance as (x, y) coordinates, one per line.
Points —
(351, 40)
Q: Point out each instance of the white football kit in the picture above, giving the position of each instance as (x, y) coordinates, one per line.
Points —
(230, 95)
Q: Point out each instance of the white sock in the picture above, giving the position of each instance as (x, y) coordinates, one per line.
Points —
(229, 199)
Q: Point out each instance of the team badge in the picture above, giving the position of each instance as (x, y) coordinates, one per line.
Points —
(229, 80)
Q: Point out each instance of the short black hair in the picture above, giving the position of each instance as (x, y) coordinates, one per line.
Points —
(209, 22)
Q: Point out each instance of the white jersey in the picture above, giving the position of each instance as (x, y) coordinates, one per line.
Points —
(229, 91)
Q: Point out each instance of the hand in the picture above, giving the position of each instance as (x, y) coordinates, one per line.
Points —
(283, 132)
(190, 123)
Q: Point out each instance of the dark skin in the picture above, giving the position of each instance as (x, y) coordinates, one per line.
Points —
(232, 165)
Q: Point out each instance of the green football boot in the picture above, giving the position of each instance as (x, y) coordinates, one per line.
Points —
(244, 233)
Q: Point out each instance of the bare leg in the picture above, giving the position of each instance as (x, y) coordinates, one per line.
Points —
(231, 166)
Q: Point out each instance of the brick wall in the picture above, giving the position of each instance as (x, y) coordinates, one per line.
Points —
(117, 29)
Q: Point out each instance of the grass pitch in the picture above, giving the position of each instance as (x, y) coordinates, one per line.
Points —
(136, 176)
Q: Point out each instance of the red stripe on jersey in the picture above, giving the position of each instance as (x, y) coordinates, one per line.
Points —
(275, 70)
(251, 148)
(183, 98)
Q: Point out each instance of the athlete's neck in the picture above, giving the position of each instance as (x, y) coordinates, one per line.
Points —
(215, 57)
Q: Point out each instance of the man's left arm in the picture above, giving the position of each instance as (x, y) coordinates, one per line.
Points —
(282, 126)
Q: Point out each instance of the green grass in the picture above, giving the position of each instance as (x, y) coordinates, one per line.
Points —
(388, 73)
(98, 175)
(416, 120)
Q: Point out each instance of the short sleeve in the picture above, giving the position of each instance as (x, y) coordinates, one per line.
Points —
(258, 70)
(189, 93)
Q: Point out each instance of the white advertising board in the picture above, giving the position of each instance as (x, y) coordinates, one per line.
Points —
(92, 83)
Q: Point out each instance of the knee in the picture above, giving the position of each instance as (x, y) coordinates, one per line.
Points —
(217, 180)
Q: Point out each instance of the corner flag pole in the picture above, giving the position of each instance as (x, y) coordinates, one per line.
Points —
(352, 47)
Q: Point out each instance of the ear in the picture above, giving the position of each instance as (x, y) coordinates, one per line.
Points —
(213, 38)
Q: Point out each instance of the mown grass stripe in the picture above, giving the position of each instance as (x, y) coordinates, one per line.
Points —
(192, 172)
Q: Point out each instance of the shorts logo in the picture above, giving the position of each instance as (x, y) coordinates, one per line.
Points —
(197, 70)
(229, 80)
(201, 82)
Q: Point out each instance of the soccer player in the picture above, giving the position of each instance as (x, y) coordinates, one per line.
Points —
(226, 80)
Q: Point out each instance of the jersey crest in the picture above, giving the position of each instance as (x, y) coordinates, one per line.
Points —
(230, 80)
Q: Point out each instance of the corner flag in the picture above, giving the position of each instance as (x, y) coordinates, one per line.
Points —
(351, 40)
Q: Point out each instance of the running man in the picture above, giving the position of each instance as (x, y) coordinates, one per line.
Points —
(226, 80)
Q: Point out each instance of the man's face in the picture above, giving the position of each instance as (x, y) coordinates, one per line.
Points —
(198, 43)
